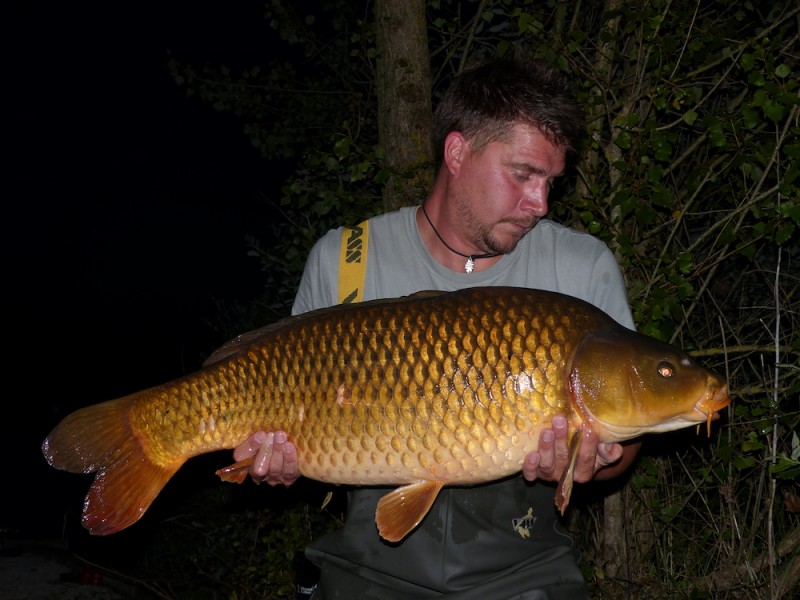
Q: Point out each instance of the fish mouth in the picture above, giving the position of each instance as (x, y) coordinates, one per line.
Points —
(706, 409)
(716, 398)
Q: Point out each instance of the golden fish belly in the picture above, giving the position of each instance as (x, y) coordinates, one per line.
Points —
(391, 393)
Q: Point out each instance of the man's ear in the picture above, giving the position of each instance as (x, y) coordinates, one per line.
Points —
(455, 150)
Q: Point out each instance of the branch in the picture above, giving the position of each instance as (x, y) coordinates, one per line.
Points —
(742, 213)
(743, 348)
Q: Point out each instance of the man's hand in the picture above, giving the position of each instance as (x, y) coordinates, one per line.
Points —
(274, 458)
(595, 460)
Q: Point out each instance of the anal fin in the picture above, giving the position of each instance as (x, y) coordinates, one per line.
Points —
(403, 509)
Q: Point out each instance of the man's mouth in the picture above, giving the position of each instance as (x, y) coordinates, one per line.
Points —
(525, 226)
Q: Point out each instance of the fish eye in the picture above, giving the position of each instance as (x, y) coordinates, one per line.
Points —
(665, 369)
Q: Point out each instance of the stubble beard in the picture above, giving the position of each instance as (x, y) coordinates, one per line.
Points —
(481, 233)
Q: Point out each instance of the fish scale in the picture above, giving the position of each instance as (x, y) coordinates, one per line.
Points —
(478, 381)
(423, 391)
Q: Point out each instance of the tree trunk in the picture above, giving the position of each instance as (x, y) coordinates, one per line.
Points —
(614, 543)
(614, 534)
(404, 100)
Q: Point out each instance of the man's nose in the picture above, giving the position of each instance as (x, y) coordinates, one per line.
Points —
(534, 199)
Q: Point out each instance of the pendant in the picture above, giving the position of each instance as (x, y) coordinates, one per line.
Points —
(469, 265)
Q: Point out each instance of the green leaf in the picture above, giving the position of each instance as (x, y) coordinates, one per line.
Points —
(756, 78)
(717, 138)
(662, 197)
(342, 147)
(645, 215)
(685, 262)
(752, 443)
(669, 512)
(784, 233)
(774, 111)
(785, 468)
(750, 117)
(654, 173)
(689, 117)
(664, 152)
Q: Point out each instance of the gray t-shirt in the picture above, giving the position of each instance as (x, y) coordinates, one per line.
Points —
(486, 542)
(551, 257)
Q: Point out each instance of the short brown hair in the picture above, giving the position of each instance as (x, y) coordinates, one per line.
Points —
(488, 98)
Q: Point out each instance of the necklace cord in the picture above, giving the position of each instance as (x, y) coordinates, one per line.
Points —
(469, 257)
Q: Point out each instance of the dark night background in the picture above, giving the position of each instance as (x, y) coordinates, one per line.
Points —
(124, 215)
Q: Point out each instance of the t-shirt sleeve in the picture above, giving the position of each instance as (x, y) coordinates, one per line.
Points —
(608, 291)
(319, 283)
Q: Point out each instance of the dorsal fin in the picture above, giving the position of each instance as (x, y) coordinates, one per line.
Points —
(242, 341)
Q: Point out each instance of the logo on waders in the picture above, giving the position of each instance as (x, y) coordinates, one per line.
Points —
(523, 525)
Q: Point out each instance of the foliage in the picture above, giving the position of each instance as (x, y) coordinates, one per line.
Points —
(237, 542)
(689, 173)
(312, 102)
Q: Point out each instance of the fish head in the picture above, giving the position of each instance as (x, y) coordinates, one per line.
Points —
(624, 384)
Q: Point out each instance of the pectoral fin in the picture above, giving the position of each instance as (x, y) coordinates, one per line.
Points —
(403, 509)
(237, 472)
(564, 489)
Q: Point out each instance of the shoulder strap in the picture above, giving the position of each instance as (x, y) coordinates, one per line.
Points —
(353, 263)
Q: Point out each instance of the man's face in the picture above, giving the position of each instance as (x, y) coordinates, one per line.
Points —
(501, 192)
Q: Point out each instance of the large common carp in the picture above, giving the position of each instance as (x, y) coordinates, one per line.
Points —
(423, 391)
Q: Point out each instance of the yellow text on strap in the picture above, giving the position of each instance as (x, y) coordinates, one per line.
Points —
(353, 263)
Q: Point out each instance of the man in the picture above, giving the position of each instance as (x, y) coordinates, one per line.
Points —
(503, 132)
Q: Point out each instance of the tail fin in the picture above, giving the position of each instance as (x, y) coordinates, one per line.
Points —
(100, 439)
